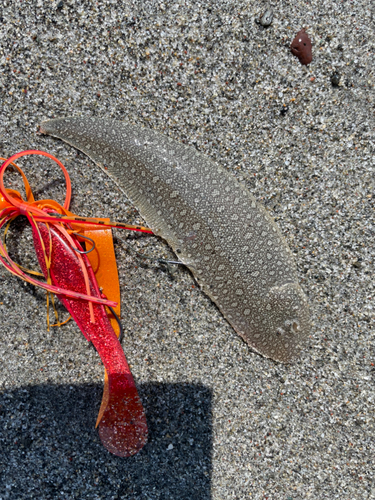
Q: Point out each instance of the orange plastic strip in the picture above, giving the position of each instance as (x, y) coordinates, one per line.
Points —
(103, 262)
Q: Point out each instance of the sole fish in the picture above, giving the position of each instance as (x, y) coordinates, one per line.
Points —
(232, 246)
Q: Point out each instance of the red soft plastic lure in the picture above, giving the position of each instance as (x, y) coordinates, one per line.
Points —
(66, 267)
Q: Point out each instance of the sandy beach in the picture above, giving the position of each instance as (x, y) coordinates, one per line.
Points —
(224, 422)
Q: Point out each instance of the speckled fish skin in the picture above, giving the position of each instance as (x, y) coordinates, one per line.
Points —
(231, 245)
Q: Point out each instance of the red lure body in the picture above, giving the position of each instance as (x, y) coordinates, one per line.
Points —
(123, 427)
(122, 421)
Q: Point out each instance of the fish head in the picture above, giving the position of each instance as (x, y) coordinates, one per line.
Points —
(290, 321)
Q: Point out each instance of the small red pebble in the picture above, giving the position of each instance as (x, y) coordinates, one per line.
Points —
(301, 47)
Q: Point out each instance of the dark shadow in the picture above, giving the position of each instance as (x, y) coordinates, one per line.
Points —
(50, 449)
(55, 183)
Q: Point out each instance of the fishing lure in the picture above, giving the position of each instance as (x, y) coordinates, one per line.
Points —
(69, 272)
(215, 226)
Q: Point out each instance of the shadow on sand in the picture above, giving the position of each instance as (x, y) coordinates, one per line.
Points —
(50, 449)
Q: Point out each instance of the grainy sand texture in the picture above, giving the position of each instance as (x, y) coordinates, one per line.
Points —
(224, 422)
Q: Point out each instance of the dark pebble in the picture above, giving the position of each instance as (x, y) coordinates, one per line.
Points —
(335, 80)
(267, 18)
(26, 442)
(284, 110)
